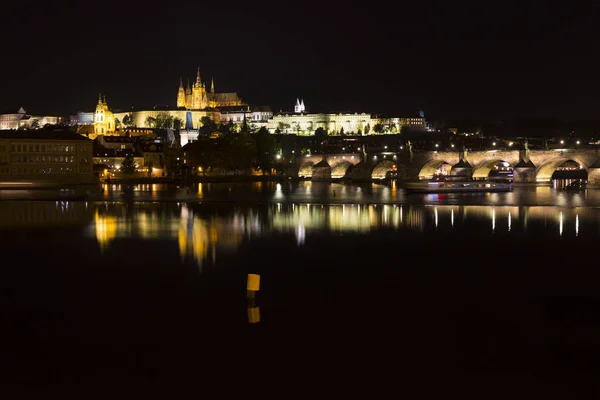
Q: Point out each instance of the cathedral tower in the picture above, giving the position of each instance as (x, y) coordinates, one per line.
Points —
(181, 94)
(199, 100)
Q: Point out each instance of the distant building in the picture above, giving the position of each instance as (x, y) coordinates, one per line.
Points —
(189, 118)
(23, 120)
(301, 123)
(198, 98)
(104, 119)
(115, 142)
(45, 156)
(257, 115)
(299, 107)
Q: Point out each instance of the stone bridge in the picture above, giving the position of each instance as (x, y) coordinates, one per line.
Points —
(323, 166)
(528, 165)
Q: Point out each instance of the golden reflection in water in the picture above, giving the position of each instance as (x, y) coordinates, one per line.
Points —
(193, 239)
(577, 225)
(106, 229)
(560, 223)
(200, 193)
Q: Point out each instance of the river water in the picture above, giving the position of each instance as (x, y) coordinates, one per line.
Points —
(365, 292)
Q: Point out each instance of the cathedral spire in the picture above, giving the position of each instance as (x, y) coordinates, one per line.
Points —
(198, 82)
(180, 82)
(212, 85)
(99, 98)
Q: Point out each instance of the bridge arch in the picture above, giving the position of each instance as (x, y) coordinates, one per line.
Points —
(306, 170)
(382, 168)
(545, 171)
(340, 169)
(430, 168)
(483, 170)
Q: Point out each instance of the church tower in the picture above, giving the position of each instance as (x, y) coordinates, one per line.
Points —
(199, 99)
(212, 85)
(104, 119)
(181, 94)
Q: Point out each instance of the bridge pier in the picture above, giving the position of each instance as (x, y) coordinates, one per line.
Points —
(594, 174)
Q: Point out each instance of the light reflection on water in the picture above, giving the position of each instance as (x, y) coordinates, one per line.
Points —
(201, 232)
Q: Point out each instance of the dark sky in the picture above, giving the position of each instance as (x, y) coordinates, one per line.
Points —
(481, 60)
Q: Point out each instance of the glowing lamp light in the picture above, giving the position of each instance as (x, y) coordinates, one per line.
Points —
(494, 143)
(278, 156)
(401, 147)
(385, 147)
(437, 145)
(452, 145)
(578, 142)
(562, 142)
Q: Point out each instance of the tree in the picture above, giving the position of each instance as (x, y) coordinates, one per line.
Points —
(359, 133)
(342, 131)
(177, 123)
(150, 122)
(35, 124)
(208, 122)
(265, 149)
(367, 129)
(128, 120)
(128, 166)
(163, 120)
(281, 127)
(378, 128)
(404, 129)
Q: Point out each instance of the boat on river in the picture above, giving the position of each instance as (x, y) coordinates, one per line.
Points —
(457, 187)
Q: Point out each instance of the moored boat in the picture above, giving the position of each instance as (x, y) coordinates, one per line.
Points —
(457, 187)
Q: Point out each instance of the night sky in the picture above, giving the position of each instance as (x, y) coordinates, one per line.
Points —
(478, 60)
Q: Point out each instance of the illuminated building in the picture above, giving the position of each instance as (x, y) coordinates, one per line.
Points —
(22, 120)
(189, 118)
(198, 98)
(45, 156)
(104, 119)
(258, 116)
(302, 123)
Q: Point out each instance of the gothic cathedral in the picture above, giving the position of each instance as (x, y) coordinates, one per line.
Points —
(197, 98)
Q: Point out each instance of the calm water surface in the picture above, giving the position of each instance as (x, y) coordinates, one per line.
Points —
(365, 292)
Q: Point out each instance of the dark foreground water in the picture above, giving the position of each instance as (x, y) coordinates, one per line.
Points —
(356, 300)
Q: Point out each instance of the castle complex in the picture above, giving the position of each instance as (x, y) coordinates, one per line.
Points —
(198, 98)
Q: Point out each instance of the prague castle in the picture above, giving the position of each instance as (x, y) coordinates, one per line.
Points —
(197, 98)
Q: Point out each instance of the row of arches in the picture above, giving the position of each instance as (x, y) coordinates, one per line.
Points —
(488, 169)
(500, 169)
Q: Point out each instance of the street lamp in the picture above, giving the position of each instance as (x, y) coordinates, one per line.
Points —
(578, 142)
(437, 145)
(493, 143)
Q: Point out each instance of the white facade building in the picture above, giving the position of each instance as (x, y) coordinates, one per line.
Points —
(22, 120)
